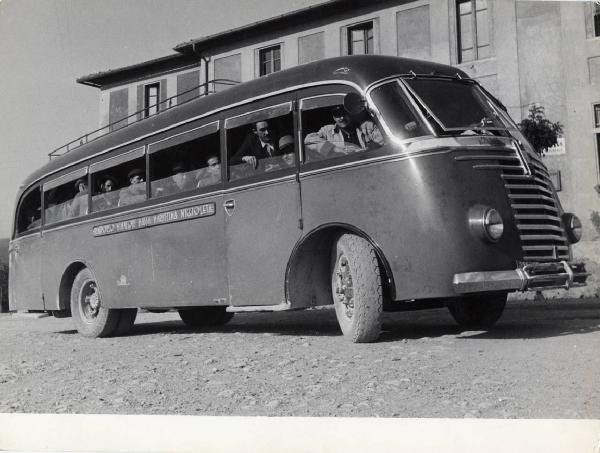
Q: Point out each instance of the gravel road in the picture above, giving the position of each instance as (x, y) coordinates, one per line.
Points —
(541, 361)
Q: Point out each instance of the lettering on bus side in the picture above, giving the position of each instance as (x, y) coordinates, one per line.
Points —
(175, 215)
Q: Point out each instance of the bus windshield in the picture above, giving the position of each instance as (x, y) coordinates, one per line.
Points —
(455, 105)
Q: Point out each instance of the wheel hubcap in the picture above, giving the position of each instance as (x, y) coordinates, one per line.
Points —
(90, 300)
(343, 286)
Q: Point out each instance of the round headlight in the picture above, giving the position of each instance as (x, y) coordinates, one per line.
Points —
(493, 224)
(486, 223)
(572, 227)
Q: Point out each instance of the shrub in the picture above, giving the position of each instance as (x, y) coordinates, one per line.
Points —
(540, 131)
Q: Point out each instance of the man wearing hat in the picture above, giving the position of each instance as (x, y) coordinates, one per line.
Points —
(286, 158)
(136, 191)
(344, 136)
(79, 205)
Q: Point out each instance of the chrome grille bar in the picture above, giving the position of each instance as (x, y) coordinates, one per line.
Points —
(532, 201)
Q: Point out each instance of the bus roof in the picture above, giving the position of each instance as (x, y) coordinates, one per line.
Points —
(361, 70)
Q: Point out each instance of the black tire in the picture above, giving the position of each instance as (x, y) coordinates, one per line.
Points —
(356, 288)
(90, 317)
(205, 316)
(478, 312)
(126, 320)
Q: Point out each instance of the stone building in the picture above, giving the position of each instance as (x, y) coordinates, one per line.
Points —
(525, 52)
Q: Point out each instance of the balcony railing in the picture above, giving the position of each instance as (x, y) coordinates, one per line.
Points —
(167, 104)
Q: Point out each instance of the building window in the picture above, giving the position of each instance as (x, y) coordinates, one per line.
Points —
(360, 39)
(597, 115)
(269, 60)
(472, 30)
(151, 94)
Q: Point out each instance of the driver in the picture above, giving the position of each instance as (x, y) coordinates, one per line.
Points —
(344, 136)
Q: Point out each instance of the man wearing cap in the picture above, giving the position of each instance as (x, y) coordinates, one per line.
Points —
(344, 136)
(259, 144)
(179, 181)
(79, 205)
(136, 191)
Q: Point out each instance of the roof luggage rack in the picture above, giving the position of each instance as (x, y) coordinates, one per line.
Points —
(140, 115)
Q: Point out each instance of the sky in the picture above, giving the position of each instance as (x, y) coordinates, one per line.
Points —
(45, 45)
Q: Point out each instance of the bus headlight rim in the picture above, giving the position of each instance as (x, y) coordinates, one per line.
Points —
(486, 223)
(573, 227)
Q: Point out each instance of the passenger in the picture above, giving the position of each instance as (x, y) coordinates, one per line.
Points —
(211, 174)
(286, 158)
(286, 146)
(107, 199)
(179, 181)
(79, 205)
(136, 191)
(34, 217)
(259, 144)
(344, 136)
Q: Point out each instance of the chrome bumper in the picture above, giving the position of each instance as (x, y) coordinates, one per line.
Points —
(529, 277)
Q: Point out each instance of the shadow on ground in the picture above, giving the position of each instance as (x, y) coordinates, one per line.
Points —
(520, 320)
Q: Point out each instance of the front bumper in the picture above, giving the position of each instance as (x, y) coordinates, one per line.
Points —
(529, 277)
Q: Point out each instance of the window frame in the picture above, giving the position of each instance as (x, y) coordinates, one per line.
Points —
(151, 109)
(17, 233)
(200, 130)
(474, 36)
(365, 27)
(262, 51)
(327, 91)
(264, 109)
(54, 182)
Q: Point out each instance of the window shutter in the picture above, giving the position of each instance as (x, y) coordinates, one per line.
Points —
(163, 95)
(140, 102)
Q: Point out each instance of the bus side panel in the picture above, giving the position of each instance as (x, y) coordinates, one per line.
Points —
(189, 257)
(121, 263)
(261, 233)
(25, 273)
(416, 212)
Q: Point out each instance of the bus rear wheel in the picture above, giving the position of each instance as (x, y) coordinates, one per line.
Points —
(356, 288)
(478, 312)
(90, 317)
(205, 316)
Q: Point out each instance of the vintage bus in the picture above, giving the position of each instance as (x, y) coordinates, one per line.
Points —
(389, 184)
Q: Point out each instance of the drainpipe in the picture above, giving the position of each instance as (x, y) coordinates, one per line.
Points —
(205, 60)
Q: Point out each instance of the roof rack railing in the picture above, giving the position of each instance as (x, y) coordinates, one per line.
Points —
(141, 115)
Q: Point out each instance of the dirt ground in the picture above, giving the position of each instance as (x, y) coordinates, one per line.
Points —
(541, 361)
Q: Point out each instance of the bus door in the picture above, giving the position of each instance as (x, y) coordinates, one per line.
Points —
(187, 239)
(118, 251)
(25, 256)
(261, 204)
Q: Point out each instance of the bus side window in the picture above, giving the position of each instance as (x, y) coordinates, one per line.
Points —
(66, 200)
(329, 131)
(262, 144)
(133, 173)
(186, 166)
(29, 215)
(119, 180)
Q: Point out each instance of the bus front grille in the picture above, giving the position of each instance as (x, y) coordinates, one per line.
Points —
(531, 196)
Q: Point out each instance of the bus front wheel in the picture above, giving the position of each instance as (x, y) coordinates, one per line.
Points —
(478, 312)
(205, 316)
(90, 317)
(356, 288)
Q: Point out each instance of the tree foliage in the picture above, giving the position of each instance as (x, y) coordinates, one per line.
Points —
(539, 130)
